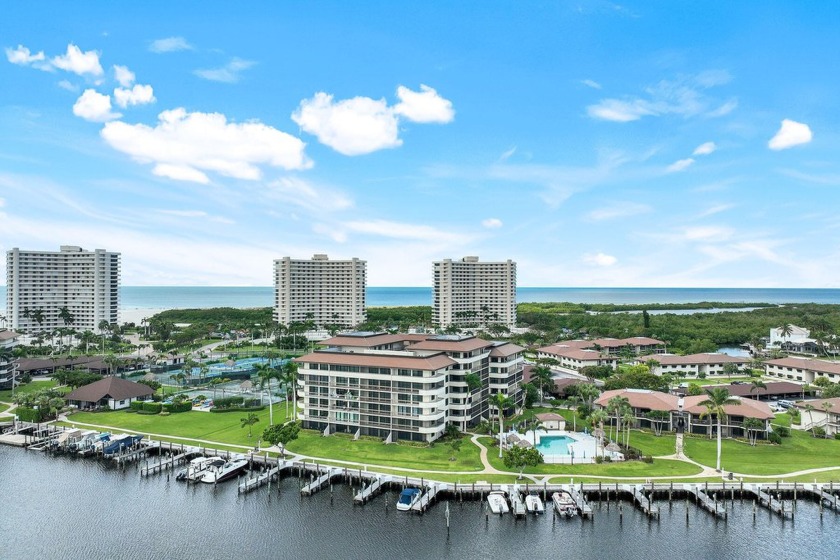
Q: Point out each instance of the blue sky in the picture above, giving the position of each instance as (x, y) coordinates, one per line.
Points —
(666, 144)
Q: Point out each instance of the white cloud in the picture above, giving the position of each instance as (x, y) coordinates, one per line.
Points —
(599, 259)
(94, 106)
(591, 83)
(790, 134)
(705, 149)
(680, 165)
(78, 62)
(717, 209)
(507, 154)
(180, 173)
(2, 202)
(425, 106)
(137, 95)
(184, 145)
(330, 231)
(123, 75)
(170, 44)
(492, 223)
(724, 109)
(64, 84)
(352, 127)
(621, 210)
(229, 73)
(708, 233)
(23, 57)
(685, 96)
(315, 198)
(196, 214)
(397, 230)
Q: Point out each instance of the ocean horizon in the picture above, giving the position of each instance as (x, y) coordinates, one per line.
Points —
(156, 298)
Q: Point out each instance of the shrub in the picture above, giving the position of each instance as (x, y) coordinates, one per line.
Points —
(136, 405)
(239, 409)
(152, 407)
(819, 432)
(177, 407)
(774, 437)
(837, 435)
(227, 402)
(783, 431)
(26, 414)
(647, 459)
(599, 459)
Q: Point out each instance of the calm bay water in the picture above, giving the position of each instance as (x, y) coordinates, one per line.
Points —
(58, 507)
(172, 297)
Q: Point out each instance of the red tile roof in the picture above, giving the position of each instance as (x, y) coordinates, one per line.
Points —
(821, 366)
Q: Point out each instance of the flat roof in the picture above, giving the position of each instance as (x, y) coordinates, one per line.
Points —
(407, 361)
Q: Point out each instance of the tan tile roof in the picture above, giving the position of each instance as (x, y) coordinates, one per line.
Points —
(549, 417)
(749, 408)
(642, 398)
(433, 362)
(369, 341)
(576, 353)
(460, 345)
(504, 350)
(777, 388)
(821, 366)
(818, 403)
(698, 359)
(8, 335)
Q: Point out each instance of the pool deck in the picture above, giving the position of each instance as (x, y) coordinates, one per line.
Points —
(582, 448)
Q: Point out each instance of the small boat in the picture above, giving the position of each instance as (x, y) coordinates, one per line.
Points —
(564, 504)
(517, 506)
(226, 471)
(497, 500)
(533, 503)
(119, 443)
(407, 498)
(197, 467)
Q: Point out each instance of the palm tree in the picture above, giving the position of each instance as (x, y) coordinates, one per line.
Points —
(657, 418)
(616, 406)
(501, 402)
(757, 384)
(716, 402)
(265, 374)
(542, 375)
(249, 421)
(627, 417)
(588, 392)
(785, 331)
(598, 417)
(826, 406)
(809, 408)
(289, 374)
(752, 426)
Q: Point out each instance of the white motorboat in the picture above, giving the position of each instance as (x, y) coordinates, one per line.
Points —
(407, 498)
(226, 471)
(533, 503)
(564, 504)
(497, 500)
(517, 506)
(198, 467)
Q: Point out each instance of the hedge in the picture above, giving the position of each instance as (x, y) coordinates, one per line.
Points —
(227, 402)
(178, 407)
(137, 405)
(30, 414)
(239, 409)
(152, 407)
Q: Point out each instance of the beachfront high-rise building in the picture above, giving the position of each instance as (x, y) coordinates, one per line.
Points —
(324, 291)
(74, 288)
(469, 293)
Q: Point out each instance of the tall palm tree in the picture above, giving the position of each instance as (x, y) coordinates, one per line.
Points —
(501, 402)
(289, 373)
(809, 408)
(752, 426)
(588, 392)
(265, 374)
(542, 375)
(785, 331)
(627, 417)
(598, 417)
(827, 406)
(249, 421)
(757, 384)
(716, 402)
(616, 406)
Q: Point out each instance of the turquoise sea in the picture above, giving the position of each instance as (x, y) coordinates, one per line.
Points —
(171, 297)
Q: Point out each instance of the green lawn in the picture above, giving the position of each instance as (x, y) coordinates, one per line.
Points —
(660, 467)
(4, 407)
(32, 387)
(653, 445)
(222, 427)
(798, 452)
(371, 452)
(713, 380)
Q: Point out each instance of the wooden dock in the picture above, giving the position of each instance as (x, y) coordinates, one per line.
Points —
(319, 482)
(641, 500)
(827, 500)
(775, 505)
(164, 464)
(253, 482)
(423, 503)
(702, 499)
(583, 507)
(376, 485)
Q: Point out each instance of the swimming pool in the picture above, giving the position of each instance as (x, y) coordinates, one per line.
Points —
(555, 445)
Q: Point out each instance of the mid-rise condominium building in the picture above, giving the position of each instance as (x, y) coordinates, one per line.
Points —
(469, 293)
(8, 364)
(406, 386)
(74, 288)
(328, 292)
